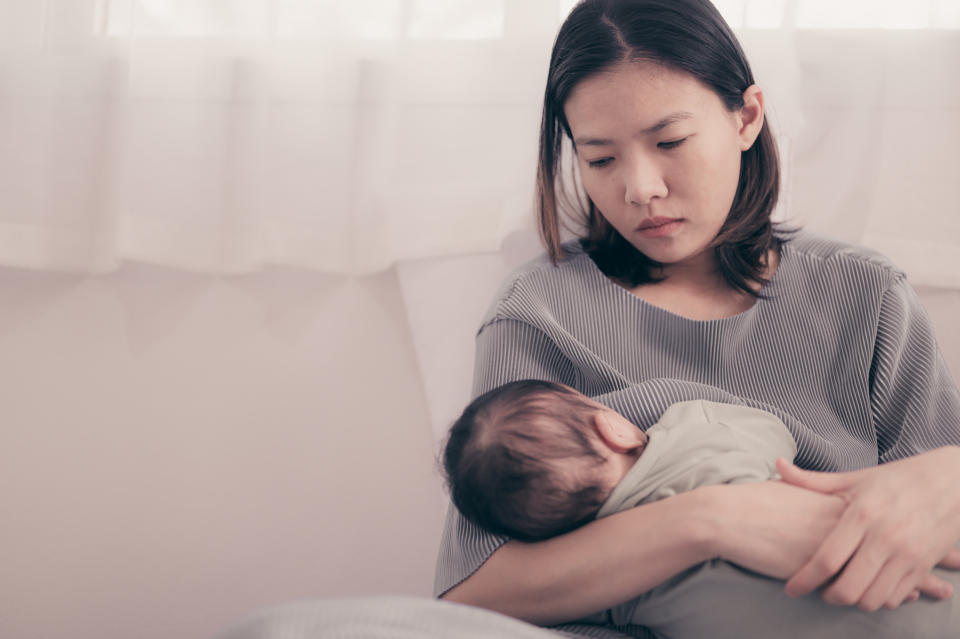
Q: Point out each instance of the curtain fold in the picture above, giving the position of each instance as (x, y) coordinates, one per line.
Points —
(219, 136)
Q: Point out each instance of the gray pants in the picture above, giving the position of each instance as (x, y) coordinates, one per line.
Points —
(719, 600)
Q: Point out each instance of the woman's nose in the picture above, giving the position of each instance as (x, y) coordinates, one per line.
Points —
(644, 182)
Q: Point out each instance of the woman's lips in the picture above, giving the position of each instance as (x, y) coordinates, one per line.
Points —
(659, 226)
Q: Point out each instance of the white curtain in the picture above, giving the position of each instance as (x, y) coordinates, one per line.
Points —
(221, 135)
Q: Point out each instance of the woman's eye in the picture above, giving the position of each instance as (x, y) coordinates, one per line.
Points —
(599, 164)
(671, 145)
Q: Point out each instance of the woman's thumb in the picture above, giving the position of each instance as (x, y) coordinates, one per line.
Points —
(810, 479)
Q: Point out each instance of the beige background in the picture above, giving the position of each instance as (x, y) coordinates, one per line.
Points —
(177, 450)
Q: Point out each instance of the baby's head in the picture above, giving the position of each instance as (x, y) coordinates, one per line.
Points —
(534, 459)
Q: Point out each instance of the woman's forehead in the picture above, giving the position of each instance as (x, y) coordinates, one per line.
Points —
(642, 95)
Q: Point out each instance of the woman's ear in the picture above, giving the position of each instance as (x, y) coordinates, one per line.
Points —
(617, 432)
(750, 117)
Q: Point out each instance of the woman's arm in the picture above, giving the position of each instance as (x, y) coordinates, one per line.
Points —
(904, 516)
(769, 527)
(594, 567)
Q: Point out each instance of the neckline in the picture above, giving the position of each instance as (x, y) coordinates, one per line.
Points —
(768, 289)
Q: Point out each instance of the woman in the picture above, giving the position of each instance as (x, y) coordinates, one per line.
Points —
(680, 283)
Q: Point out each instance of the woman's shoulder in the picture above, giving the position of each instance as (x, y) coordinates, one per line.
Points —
(532, 288)
(833, 258)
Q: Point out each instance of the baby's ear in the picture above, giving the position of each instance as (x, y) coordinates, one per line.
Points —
(617, 432)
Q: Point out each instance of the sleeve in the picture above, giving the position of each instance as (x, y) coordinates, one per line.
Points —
(914, 401)
(507, 350)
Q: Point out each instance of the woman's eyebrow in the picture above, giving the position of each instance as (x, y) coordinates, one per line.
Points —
(667, 121)
(660, 125)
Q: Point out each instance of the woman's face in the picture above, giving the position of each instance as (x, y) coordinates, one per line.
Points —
(659, 155)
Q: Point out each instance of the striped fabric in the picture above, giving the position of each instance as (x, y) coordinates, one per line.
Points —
(841, 351)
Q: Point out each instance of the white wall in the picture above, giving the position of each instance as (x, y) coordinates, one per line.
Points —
(177, 450)
(943, 305)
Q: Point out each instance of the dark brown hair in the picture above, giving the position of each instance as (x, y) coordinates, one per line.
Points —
(689, 36)
(503, 460)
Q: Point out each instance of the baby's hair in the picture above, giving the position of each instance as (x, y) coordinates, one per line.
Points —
(520, 461)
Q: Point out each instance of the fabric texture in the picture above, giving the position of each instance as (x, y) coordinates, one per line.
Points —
(840, 350)
(720, 600)
(700, 443)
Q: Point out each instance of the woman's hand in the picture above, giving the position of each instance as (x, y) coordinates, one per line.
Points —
(899, 521)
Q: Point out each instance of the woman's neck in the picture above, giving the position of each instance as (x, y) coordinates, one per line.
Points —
(696, 289)
(700, 272)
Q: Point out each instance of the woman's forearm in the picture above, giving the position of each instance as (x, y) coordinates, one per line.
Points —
(771, 527)
(598, 566)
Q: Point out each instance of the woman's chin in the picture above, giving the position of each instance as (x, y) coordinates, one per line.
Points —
(662, 253)
(673, 256)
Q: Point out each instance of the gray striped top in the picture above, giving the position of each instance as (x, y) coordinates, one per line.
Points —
(841, 351)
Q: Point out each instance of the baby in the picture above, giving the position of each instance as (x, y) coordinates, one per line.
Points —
(535, 459)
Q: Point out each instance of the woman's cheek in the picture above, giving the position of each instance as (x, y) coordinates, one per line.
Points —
(596, 191)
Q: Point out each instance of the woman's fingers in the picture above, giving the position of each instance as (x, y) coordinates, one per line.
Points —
(890, 587)
(905, 591)
(860, 576)
(934, 587)
(912, 585)
(951, 560)
(928, 585)
(869, 583)
(828, 560)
